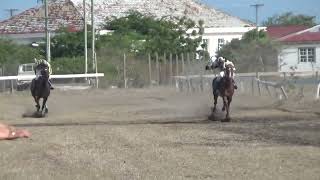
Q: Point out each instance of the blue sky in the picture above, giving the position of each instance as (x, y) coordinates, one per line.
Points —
(240, 8)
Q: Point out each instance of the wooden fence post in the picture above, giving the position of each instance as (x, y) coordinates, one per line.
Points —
(149, 68)
(165, 69)
(284, 92)
(177, 65)
(182, 64)
(252, 86)
(268, 90)
(170, 69)
(157, 69)
(124, 71)
(258, 83)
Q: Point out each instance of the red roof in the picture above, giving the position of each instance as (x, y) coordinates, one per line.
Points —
(281, 31)
(304, 37)
(62, 14)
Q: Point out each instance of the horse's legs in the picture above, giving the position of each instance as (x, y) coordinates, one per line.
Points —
(225, 105)
(44, 106)
(215, 102)
(36, 100)
(228, 107)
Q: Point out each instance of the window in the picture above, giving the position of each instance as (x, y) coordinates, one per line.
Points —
(27, 68)
(307, 55)
(205, 43)
(221, 42)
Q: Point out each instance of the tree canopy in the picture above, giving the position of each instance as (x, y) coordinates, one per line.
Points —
(289, 18)
(254, 52)
(144, 33)
(11, 53)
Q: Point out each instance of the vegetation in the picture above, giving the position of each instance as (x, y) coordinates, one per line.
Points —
(141, 33)
(12, 54)
(254, 52)
(290, 19)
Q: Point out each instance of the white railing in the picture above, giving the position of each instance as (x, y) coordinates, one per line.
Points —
(63, 76)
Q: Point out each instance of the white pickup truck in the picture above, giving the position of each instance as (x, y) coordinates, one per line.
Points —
(23, 70)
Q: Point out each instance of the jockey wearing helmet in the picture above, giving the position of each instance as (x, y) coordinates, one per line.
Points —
(221, 64)
(40, 63)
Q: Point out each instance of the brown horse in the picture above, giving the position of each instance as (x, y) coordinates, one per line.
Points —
(225, 89)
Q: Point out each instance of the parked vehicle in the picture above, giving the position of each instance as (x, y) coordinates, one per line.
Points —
(24, 70)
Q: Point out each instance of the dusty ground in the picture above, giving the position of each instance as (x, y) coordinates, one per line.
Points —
(159, 134)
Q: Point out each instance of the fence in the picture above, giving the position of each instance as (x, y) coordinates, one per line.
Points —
(255, 83)
(186, 72)
(13, 79)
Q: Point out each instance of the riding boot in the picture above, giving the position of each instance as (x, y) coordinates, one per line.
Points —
(50, 84)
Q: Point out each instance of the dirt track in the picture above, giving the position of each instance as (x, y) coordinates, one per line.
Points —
(159, 134)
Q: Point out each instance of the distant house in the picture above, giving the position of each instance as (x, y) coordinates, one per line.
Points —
(29, 26)
(300, 50)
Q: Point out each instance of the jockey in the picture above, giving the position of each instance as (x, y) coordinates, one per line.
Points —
(221, 64)
(38, 64)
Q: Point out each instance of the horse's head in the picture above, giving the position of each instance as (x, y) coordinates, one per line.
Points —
(44, 72)
(229, 71)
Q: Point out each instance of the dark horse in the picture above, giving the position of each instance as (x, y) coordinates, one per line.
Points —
(40, 89)
(225, 89)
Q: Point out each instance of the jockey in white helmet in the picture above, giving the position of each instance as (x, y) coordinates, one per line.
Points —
(221, 63)
(43, 62)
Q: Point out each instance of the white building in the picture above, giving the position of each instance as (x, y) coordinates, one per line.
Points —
(300, 51)
(215, 38)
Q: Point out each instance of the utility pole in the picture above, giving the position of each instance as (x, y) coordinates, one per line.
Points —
(85, 37)
(93, 37)
(257, 6)
(46, 11)
(11, 11)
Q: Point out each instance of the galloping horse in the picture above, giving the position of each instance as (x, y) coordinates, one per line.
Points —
(225, 89)
(222, 86)
(40, 89)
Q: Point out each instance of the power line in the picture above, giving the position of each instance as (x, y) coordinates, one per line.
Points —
(257, 6)
(11, 11)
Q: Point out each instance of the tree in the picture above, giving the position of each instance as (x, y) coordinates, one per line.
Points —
(254, 52)
(289, 18)
(11, 53)
(67, 44)
(143, 33)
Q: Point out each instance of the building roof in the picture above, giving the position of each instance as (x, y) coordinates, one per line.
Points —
(302, 38)
(192, 9)
(62, 13)
(68, 13)
(310, 35)
(276, 32)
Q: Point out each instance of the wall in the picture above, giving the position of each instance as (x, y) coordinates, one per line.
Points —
(289, 57)
(213, 34)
